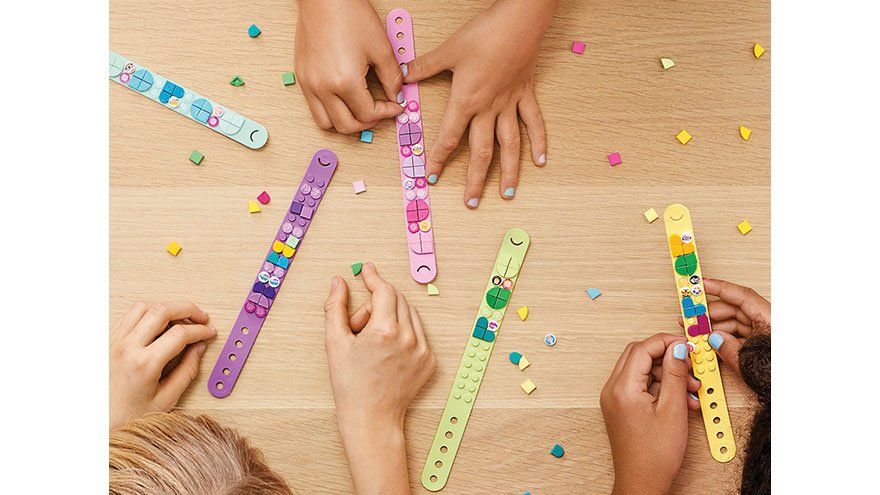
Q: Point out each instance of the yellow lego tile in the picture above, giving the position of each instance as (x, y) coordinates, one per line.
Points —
(288, 251)
(745, 132)
(683, 137)
(253, 207)
(523, 312)
(744, 227)
(523, 363)
(528, 387)
(277, 246)
(651, 215)
(759, 50)
(687, 248)
(174, 248)
(433, 290)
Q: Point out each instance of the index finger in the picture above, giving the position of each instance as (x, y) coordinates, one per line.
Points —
(641, 359)
(365, 108)
(452, 127)
(384, 296)
(160, 315)
(750, 302)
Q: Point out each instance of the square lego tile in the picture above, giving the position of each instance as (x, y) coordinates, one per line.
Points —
(359, 186)
(196, 157)
(528, 386)
(614, 159)
(263, 197)
(683, 137)
(744, 227)
(366, 136)
(174, 248)
(578, 47)
(254, 31)
(288, 78)
(651, 215)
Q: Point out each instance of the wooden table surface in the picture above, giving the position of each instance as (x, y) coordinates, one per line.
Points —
(584, 217)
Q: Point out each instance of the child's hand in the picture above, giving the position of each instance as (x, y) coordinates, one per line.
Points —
(492, 58)
(141, 345)
(336, 43)
(379, 360)
(645, 404)
(736, 315)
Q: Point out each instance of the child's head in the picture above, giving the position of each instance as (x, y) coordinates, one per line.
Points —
(181, 454)
(754, 365)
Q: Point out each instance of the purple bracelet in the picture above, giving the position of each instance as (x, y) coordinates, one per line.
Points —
(272, 273)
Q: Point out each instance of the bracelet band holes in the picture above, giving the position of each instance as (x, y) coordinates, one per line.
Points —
(244, 330)
(439, 464)
(713, 405)
(723, 450)
(225, 371)
(448, 434)
(219, 385)
(720, 434)
(238, 344)
(433, 478)
(401, 50)
(233, 357)
(453, 420)
(443, 449)
(400, 36)
(710, 391)
(716, 420)
(399, 20)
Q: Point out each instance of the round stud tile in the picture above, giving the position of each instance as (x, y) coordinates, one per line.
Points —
(424, 225)
(412, 106)
(421, 193)
(263, 277)
(274, 282)
(409, 195)
(695, 279)
(403, 118)
(124, 77)
(405, 151)
(414, 117)
(697, 290)
(213, 121)
(173, 102)
(550, 339)
(687, 238)
(316, 193)
(129, 68)
(409, 183)
(413, 227)
(417, 149)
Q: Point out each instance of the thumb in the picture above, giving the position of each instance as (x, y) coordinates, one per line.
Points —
(389, 74)
(727, 347)
(674, 379)
(427, 65)
(336, 311)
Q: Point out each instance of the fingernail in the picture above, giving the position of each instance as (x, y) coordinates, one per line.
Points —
(473, 202)
(694, 397)
(432, 179)
(715, 340)
(201, 348)
(509, 192)
(542, 159)
(371, 265)
(334, 282)
(400, 97)
(680, 351)
(213, 329)
(404, 69)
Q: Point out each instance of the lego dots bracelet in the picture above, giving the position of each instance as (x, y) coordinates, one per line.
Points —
(273, 270)
(475, 359)
(411, 151)
(694, 311)
(187, 102)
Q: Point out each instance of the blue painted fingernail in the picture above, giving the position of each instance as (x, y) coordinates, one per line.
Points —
(473, 202)
(400, 98)
(509, 192)
(404, 69)
(432, 179)
(680, 351)
(542, 159)
(715, 340)
(694, 397)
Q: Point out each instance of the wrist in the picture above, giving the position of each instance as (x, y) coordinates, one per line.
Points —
(376, 453)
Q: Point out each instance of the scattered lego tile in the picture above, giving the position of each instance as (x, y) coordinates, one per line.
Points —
(196, 157)
(667, 63)
(683, 137)
(359, 187)
(651, 215)
(515, 357)
(366, 136)
(759, 50)
(356, 268)
(614, 159)
(523, 312)
(288, 78)
(578, 47)
(173, 248)
(263, 198)
(253, 207)
(593, 293)
(254, 31)
(744, 227)
(237, 81)
(745, 132)
(550, 339)
(523, 363)
(528, 386)
(557, 451)
(433, 290)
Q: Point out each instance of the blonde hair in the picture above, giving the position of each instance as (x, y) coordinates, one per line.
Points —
(174, 453)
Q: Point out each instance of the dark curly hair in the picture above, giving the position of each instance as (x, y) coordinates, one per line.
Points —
(754, 365)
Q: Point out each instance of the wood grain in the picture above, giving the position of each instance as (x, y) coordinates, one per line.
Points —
(584, 218)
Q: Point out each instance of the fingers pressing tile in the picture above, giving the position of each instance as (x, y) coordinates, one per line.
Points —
(715, 340)
(680, 351)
